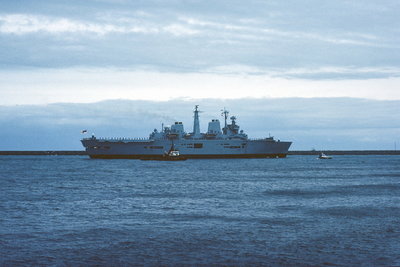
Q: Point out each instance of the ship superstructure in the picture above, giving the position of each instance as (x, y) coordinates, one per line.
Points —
(228, 142)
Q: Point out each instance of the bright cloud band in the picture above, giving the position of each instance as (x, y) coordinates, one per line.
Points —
(84, 85)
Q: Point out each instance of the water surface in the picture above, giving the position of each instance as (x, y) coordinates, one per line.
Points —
(298, 211)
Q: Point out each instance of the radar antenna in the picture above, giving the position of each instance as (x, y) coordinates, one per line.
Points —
(233, 118)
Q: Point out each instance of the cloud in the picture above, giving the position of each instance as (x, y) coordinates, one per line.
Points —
(256, 30)
(23, 24)
(26, 24)
(317, 73)
(179, 30)
(291, 40)
(182, 26)
(89, 85)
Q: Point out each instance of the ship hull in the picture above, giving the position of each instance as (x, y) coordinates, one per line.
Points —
(209, 156)
(191, 149)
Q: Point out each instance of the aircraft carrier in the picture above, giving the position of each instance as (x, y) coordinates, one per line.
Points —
(230, 142)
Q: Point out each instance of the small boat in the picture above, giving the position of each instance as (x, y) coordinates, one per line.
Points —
(323, 156)
(172, 155)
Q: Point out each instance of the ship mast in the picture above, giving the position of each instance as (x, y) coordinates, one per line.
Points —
(225, 114)
(196, 123)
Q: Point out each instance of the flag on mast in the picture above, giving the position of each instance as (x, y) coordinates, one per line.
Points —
(83, 131)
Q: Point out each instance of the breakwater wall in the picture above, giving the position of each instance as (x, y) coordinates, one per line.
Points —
(347, 152)
(44, 153)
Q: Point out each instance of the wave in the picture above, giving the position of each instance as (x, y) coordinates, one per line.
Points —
(357, 212)
(337, 190)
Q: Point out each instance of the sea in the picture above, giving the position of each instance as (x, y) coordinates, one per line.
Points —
(296, 211)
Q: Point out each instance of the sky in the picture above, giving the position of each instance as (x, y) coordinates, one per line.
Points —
(91, 51)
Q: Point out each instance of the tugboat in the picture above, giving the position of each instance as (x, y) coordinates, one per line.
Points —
(172, 155)
(323, 156)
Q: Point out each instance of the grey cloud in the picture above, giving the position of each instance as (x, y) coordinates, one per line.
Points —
(197, 35)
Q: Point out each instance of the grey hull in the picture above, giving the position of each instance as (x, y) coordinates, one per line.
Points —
(209, 156)
(116, 149)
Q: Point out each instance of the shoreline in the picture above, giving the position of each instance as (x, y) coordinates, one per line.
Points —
(294, 152)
